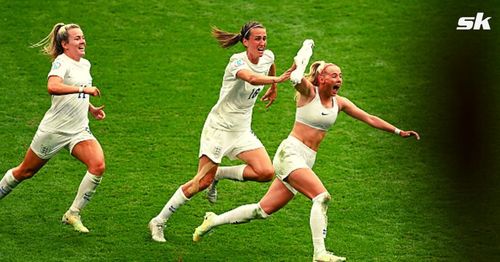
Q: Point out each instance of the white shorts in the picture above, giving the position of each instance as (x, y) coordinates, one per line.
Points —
(216, 143)
(291, 155)
(46, 145)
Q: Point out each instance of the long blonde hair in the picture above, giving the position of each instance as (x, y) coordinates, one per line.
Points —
(52, 43)
(227, 39)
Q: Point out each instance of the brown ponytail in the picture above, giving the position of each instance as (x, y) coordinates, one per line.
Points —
(227, 39)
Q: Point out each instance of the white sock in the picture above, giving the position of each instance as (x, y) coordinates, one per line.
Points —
(318, 221)
(241, 214)
(177, 200)
(7, 183)
(85, 191)
(230, 172)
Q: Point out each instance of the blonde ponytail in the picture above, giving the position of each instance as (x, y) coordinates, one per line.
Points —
(52, 44)
(314, 71)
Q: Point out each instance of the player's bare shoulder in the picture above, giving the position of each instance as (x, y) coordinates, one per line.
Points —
(342, 102)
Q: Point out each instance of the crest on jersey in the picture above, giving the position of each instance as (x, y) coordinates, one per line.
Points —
(238, 63)
(56, 65)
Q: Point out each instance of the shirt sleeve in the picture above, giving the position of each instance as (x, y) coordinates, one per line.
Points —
(235, 65)
(270, 55)
(59, 68)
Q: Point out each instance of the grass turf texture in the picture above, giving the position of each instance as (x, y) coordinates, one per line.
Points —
(159, 71)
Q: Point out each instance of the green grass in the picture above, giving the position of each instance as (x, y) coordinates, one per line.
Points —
(159, 71)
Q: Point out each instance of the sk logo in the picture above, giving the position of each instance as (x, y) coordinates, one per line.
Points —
(474, 23)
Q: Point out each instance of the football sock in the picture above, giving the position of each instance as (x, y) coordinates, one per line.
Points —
(241, 214)
(85, 191)
(318, 221)
(7, 183)
(230, 172)
(177, 200)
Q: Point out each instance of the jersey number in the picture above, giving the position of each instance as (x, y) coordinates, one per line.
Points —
(254, 93)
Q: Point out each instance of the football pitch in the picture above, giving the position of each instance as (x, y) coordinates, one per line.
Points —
(159, 71)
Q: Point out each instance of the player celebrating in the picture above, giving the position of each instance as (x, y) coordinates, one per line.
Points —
(65, 124)
(318, 104)
(227, 130)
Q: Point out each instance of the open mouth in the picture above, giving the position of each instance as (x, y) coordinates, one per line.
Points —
(335, 89)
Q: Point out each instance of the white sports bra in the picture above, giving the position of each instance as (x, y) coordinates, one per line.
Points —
(315, 115)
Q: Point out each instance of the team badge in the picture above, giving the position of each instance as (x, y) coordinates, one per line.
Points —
(56, 65)
(238, 63)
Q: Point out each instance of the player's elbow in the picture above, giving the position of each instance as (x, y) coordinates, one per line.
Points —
(52, 89)
(253, 80)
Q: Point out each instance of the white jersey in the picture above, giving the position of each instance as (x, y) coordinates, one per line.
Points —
(233, 111)
(68, 114)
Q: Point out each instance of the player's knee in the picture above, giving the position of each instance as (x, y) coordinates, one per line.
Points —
(97, 168)
(323, 198)
(266, 174)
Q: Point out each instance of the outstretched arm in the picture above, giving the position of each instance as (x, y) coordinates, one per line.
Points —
(256, 79)
(352, 110)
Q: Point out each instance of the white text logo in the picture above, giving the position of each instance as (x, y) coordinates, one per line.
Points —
(474, 23)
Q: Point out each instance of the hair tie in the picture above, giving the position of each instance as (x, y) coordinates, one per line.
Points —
(254, 26)
(326, 66)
